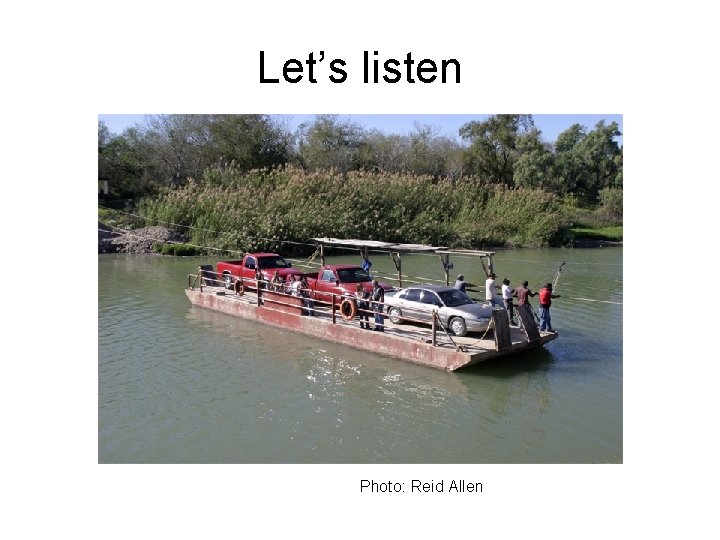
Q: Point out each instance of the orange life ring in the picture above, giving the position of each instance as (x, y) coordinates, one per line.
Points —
(239, 287)
(348, 310)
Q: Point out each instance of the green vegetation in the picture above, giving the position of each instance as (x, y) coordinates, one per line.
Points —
(119, 218)
(179, 250)
(241, 182)
(256, 211)
(613, 234)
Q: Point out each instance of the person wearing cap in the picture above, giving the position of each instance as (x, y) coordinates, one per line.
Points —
(546, 297)
(461, 284)
(491, 291)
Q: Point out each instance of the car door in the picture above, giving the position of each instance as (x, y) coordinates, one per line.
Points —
(248, 270)
(408, 301)
(431, 302)
(327, 285)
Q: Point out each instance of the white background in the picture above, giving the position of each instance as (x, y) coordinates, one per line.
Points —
(66, 62)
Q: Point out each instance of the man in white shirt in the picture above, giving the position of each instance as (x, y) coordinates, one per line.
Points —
(295, 286)
(507, 296)
(491, 291)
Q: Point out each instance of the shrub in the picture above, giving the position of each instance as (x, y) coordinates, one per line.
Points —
(611, 203)
(180, 250)
(262, 210)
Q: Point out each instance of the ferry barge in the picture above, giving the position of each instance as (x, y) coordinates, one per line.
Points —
(432, 346)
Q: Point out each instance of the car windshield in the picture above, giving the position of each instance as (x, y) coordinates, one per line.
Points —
(273, 262)
(353, 275)
(454, 297)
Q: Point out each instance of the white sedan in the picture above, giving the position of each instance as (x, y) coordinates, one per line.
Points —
(457, 311)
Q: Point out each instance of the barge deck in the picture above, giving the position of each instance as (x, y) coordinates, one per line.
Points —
(414, 343)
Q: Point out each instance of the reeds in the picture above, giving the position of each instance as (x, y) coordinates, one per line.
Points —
(260, 210)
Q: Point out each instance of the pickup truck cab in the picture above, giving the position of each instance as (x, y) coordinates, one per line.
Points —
(340, 280)
(246, 269)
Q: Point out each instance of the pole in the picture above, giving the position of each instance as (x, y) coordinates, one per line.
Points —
(557, 275)
(445, 259)
(398, 266)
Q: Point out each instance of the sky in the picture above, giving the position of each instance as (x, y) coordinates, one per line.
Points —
(551, 125)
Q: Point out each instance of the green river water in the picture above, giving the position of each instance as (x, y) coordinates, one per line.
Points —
(179, 384)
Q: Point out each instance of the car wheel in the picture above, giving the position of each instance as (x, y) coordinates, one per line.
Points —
(228, 281)
(458, 327)
(395, 315)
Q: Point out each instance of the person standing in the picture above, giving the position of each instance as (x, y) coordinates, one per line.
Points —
(491, 291)
(378, 304)
(507, 296)
(461, 284)
(361, 299)
(522, 293)
(295, 286)
(308, 302)
(277, 282)
(546, 297)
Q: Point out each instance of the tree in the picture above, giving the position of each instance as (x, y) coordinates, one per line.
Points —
(492, 150)
(329, 142)
(118, 163)
(251, 141)
(601, 156)
(535, 166)
(589, 161)
(386, 153)
(176, 146)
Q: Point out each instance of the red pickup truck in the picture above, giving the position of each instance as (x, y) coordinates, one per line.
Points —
(268, 263)
(339, 279)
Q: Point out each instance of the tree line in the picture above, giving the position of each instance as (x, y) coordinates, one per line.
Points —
(583, 165)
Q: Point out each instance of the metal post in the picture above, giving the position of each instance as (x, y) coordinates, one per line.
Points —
(322, 254)
(398, 266)
(332, 308)
(434, 328)
(399, 269)
(445, 258)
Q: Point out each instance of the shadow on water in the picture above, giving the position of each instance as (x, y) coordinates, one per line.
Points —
(531, 362)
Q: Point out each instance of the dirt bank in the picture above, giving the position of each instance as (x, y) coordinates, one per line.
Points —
(143, 240)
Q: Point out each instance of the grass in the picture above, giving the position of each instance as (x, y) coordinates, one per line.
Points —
(613, 233)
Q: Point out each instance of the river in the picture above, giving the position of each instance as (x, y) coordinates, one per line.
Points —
(179, 384)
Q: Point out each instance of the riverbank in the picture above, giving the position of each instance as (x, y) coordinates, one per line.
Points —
(143, 240)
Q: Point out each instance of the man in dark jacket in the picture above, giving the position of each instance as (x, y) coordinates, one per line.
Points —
(378, 303)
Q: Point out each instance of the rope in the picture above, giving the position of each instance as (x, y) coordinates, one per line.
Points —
(489, 327)
(437, 318)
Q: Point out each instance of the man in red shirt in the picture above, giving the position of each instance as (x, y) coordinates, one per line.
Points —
(546, 297)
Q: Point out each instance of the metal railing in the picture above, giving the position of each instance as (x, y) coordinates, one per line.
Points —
(310, 303)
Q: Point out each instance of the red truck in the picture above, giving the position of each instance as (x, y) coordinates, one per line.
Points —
(339, 279)
(268, 263)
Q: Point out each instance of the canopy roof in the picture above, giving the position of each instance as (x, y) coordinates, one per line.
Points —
(375, 244)
(409, 248)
